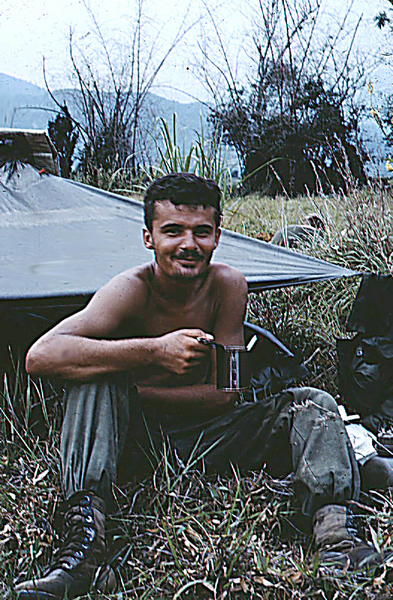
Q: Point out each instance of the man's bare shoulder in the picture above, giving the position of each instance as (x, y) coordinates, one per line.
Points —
(227, 277)
(128, 290)
(139, 276)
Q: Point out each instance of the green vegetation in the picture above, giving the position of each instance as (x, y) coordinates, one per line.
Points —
(182, 534)
(293, 110)
(206, 157)
(292, 119)
(358, 236)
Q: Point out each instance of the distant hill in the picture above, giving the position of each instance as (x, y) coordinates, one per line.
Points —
(12, 86)
(17, 99)
(27, 106)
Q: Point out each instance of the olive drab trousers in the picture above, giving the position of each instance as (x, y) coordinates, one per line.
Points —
(107, 435)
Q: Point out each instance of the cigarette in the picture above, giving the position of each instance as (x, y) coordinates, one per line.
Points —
(251, 343)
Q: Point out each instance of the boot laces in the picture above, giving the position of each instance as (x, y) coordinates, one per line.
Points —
(79, 536)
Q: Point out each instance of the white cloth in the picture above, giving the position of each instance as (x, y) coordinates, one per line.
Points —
(361, 439)
(362, 442)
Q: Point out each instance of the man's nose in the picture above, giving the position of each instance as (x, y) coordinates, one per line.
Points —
(188, 240)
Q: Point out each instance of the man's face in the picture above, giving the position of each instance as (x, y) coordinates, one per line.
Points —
(183, 239)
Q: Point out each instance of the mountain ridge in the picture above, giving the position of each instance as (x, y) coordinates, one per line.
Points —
(24, 105)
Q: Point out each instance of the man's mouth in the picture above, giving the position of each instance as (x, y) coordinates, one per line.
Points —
(190, 259)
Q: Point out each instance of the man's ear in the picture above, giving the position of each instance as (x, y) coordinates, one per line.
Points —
(218, 234)
(148, 239)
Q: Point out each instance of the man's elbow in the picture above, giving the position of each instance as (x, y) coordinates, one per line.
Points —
(33, 361)
(39, 359)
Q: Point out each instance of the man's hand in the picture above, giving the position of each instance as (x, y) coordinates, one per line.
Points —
(180, 351)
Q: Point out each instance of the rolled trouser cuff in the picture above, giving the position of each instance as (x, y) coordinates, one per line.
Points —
(332, 525)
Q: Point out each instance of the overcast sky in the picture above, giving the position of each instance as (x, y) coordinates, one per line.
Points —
(31, 29)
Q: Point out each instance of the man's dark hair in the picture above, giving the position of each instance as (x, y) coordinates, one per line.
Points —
(182, 188)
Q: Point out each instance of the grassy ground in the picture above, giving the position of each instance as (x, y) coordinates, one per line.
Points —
(182, 534)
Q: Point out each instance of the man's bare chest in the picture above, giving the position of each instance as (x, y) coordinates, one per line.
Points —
(161, 318)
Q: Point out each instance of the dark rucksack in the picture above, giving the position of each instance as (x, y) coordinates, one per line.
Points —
(366, 361)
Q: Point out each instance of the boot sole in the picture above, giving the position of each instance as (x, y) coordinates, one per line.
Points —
(105, 582)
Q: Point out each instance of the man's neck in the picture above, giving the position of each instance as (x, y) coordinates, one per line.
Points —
(179, 290)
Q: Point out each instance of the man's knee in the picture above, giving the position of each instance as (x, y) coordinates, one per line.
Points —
(309, 396)
(111, 389)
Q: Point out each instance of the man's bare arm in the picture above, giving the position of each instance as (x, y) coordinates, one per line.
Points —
(80, 358)
(76, 349)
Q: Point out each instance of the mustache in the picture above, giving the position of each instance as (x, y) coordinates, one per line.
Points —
(187, 254)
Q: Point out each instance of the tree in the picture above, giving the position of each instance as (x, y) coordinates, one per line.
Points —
(64, 135)
(113, 80)
(294, 123)
(384, 115)
(382, 19)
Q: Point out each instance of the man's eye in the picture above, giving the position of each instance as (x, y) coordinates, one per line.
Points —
(172, 231)
(202, 232)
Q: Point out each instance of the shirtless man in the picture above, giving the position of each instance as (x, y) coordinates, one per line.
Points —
(161, 309)
(136, 369)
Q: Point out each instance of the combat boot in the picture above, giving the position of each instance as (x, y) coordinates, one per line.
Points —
(338, 545)
(79, 564)
(377, 473)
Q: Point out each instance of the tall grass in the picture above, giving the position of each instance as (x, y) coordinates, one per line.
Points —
(359, 236)
(29, 481)
(206, 157)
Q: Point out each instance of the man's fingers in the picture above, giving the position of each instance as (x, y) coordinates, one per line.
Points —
(196, 333)
(181, 349)
(201, 350)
